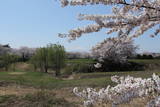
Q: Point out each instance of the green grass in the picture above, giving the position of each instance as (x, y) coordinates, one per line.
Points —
(77, 61)
(142, 61)
(43, 80)
(6, 98)
(146, 61)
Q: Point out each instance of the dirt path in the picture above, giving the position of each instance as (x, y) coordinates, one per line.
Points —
(16, 90)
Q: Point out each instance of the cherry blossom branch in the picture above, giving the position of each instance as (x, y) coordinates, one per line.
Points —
(136, 5)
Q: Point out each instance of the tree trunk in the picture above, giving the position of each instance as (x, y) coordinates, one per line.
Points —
(45, 69)
(57, 72)
(6, 68)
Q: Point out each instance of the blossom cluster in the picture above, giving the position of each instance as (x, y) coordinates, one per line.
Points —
(4, 50)
(133, 16)
(115, 49)
(126, 89)
(98, 65)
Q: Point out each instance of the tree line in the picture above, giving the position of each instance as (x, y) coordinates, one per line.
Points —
(50, 57)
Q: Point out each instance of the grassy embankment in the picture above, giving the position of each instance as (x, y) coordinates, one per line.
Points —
(33, 81)
(98, 79)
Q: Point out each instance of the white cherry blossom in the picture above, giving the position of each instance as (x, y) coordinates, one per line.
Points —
(127, 89)
(133, 16)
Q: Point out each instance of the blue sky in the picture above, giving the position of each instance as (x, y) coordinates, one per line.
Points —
(35, 23)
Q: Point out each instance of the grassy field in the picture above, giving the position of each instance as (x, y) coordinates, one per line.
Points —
(22, 86)
(142, 61)
(146, 61)
(76, 61)
(38, 79)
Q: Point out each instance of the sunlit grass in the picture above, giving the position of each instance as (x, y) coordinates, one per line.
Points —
(44, 80)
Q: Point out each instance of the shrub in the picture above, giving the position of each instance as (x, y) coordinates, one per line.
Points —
(7, 59)
(56, 57)
(144, 56)
(52, 56)
(68, 70)
(82, 68)
(108, 66)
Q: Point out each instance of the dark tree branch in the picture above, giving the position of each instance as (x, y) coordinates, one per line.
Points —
(143, 6)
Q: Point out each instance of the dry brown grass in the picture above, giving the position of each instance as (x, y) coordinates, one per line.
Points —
(16, 90)
(16, 73)
(67, 94)
(23, 66)
(137, 102)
